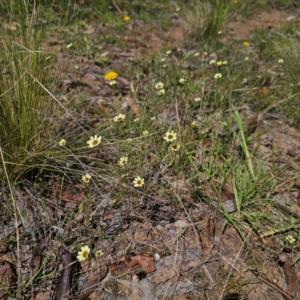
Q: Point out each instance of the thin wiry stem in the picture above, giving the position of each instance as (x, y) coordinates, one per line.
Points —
(16, 219)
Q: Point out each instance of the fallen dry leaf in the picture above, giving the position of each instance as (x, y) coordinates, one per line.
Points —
(92, 284)
(207, 237)
(207, 143)
(264, 91)
(72, 195)
(143, 260)
(290, 274)
(36, 265)
(251, 126)
(133, 106)
(124, 84)
(8, 279)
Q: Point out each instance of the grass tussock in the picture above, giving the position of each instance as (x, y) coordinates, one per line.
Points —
(205, 19)
(27, 113)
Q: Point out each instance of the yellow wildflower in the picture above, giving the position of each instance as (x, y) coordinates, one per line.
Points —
(86, 178)
(138, 181)
(99, 253)
(111, 75)
(175, 147)
(119, 118)
(123, 161)
(62, 142)
(170, 136)
(161, 92)
(84, 253)
(290, 239)
(94, 141)
(159, 85)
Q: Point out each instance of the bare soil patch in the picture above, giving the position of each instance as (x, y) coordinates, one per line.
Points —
(269, 20)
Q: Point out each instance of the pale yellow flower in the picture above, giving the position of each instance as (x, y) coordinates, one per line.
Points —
(204, 53)
(94, 141)
(111, 75)
(225, 62)
(182, 80)
(290, 239)
(138, 181)
(163, 59)
(170, 136)
(194, 124)
(153, 119)
(212, 62)
(119, 118)
(219, 63)
(175, 147)
(83, 253)
(196, 54)
(218, 75)
(280, 61)
(99, 253)
(123, 161)
(136, 120)
(161, 92)
(86, 178)
(197, 99)
(129, 140)
(220, 32)
(62, 142)
(145, 132)
(246, 58)
(159, 85)
(112, 82)
(168, 52)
